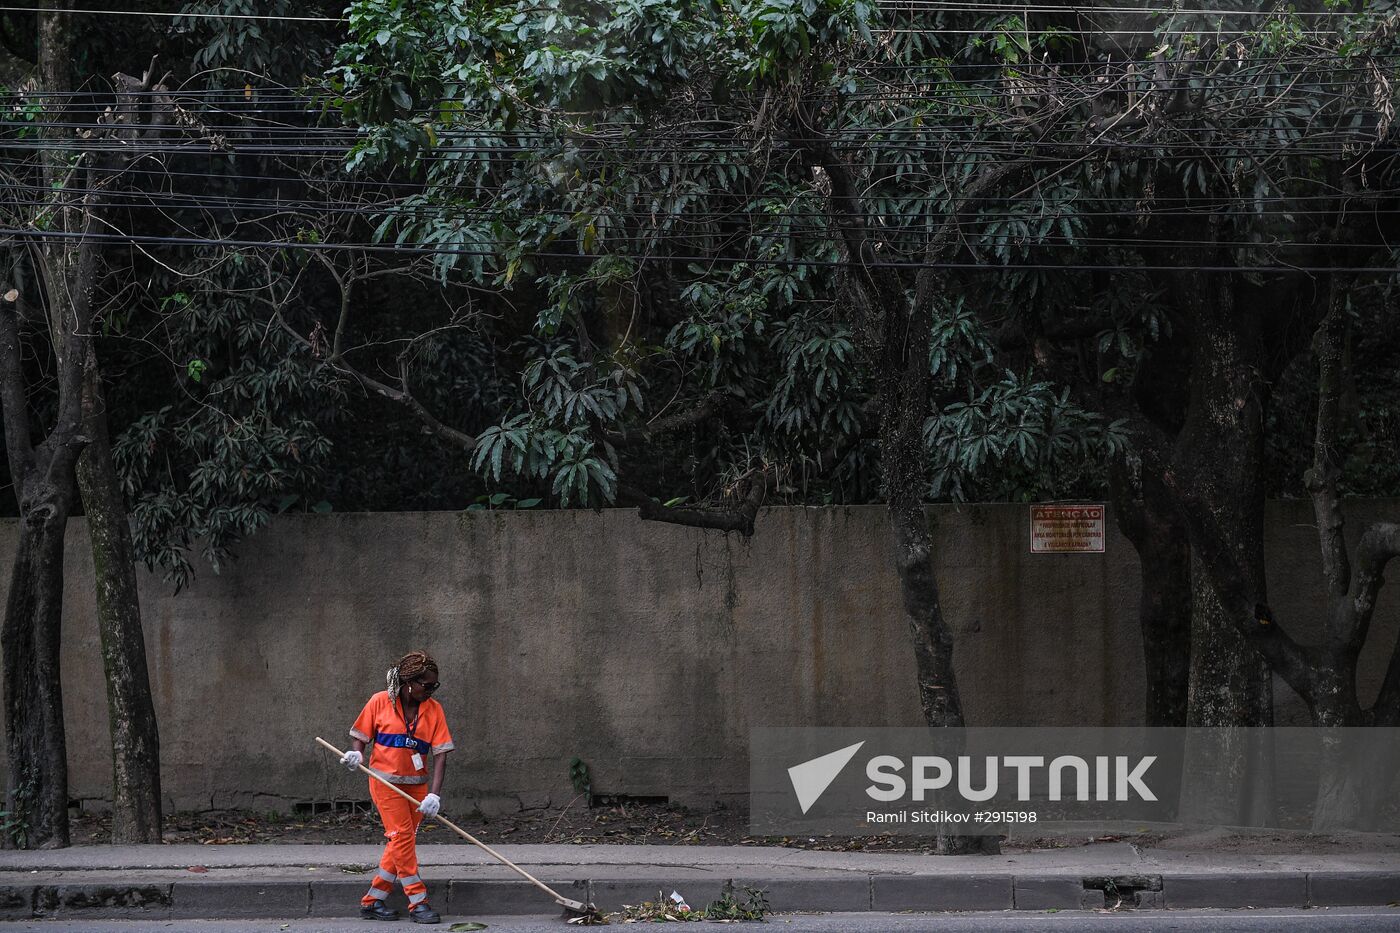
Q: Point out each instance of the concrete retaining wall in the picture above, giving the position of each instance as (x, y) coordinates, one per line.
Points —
(647, 650)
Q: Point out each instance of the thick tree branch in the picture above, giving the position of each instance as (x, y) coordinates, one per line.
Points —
(1380, 543)
(738, 518)
(13, 397)
(401, 395)
(72, 276)
(842, 199)
(1126, 493)
(742, 516)
(345, 284)
(939, 243)
(707, 408)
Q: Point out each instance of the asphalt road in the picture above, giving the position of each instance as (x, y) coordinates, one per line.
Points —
(1321, 920)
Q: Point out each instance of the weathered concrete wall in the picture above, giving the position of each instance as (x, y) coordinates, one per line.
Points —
(647, 650)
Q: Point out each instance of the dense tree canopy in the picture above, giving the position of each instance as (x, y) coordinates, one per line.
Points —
(585, 168)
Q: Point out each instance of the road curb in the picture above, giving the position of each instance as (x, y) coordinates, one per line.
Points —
(853, 892)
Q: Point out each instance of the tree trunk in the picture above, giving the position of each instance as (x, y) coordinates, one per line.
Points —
(1219, 465)
(1149, 520)
(36, 800)
(1231, 766)
(903, 382)
(30, 636)
(136, 815)
(1230, 684)
(1353, 782)
(933, 643)
(893, 333)
(1144, 512)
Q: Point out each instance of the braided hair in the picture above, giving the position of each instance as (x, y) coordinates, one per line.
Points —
(410, 666)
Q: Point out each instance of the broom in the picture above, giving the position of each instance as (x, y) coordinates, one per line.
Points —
(574, 911)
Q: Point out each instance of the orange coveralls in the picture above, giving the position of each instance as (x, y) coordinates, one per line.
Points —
(395, 744)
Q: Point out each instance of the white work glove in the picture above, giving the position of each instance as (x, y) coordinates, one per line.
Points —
(431, 805)
(352, 760)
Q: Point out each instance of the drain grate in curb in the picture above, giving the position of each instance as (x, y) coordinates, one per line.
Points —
(1123, 892)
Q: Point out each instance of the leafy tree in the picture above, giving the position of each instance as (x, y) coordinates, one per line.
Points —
(52, 307)
(1276, 153)
(668, 186)
(81, 170)
(594, 156)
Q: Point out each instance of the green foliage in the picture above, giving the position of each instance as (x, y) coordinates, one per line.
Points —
(226, 51)
(728, 906)
(581, 778)
(242, 442)
(502, 500)
(580, 471)
(539, 176)
(1014, 432)
(14, 824)
(784, 33)
(22, 112)
(624, 189)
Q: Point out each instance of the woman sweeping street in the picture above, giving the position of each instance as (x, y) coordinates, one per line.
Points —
(407, 728)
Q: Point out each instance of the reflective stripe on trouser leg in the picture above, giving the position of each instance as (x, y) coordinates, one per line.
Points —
(414, 887)
(401, 819)
(380, 887)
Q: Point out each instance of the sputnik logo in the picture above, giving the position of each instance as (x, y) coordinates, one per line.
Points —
(811, 778)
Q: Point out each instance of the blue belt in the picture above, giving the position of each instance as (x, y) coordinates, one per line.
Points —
(399, 740)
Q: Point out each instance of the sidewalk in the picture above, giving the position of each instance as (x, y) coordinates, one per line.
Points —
(287, 881)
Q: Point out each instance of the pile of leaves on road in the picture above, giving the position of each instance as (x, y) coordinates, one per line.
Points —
(728, 908)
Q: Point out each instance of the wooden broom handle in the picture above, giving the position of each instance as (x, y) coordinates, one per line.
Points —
(452, 826)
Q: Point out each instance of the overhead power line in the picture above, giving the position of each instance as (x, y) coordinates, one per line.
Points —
(899, 6)
(176, 15)
(971, 6)
(422, 188)
(763, 261)
(937, 6)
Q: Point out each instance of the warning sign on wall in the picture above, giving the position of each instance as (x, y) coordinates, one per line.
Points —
(1067, 529)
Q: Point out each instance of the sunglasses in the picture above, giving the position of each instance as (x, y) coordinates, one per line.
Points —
(430, 687)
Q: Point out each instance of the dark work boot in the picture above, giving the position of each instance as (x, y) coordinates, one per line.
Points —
(422, 913)
(377, 911)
